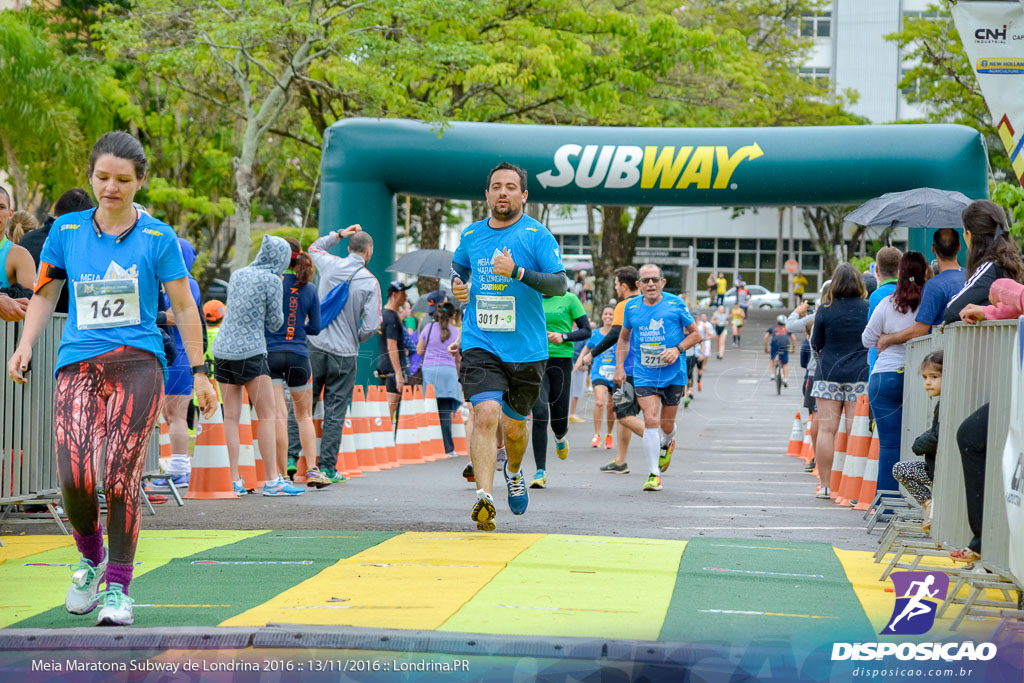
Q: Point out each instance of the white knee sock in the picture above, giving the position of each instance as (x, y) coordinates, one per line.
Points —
(651, 448)
(179, 464)
(666, 439)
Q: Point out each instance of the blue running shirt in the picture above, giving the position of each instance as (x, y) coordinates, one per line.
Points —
(656, 328)
(504, 316)
(148, 255)
(603, 366)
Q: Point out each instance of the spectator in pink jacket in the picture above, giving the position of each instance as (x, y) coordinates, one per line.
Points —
(1007, 297)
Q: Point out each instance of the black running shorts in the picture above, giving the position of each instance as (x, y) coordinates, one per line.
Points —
(670, 395)
(239, 371)
(519, 383)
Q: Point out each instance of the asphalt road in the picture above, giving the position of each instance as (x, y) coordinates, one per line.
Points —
(729, 478)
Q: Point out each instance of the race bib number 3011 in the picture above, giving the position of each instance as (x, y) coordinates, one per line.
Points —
(107, 303)
(496, 313)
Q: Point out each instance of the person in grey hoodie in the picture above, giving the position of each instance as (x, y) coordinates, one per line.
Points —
(255, 298)
(333, 352)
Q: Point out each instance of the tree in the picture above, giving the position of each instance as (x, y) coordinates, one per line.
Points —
(246, 57)
(50, 107)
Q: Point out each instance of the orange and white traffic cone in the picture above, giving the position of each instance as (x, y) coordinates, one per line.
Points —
(211, 469)
(387, 427)
(384, 428)
(378, 426)
(246, 449)
(165, 442)
(407, 438)
(348, 463)
(856, 454)
(365, 454)
(870, 483)
(796, 438)
(838, 458)
(459, 432)
(434, 442)
(807, 447)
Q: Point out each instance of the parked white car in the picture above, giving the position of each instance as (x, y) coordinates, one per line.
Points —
(760, 297)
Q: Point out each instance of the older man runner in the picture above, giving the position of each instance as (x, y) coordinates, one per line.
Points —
(664, 330)
(502, 267)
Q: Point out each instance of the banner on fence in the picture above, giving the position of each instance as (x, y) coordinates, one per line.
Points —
(1013, 461)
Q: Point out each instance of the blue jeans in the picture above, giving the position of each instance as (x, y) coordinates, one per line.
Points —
(885, 391)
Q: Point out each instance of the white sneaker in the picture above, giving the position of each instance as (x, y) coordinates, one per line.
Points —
(117, 607)
(823, 492)
(85, 582)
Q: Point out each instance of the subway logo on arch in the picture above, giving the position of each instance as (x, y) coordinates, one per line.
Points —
(624, 166)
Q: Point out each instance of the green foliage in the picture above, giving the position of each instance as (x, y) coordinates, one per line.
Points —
(1010, 196)
(51, 108)
(305, 237)
(862, 263)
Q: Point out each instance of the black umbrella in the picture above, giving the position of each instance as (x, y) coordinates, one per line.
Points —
(435, 263)
(924, 207)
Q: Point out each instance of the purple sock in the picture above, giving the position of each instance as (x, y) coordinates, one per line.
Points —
(91, 546)
(120, 573)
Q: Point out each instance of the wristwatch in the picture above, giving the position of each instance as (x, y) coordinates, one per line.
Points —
(565, 337)
(200, 369)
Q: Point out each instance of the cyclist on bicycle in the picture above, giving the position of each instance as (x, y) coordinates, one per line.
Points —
(780, 341)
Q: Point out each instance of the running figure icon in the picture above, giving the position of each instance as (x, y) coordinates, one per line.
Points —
(916, 605)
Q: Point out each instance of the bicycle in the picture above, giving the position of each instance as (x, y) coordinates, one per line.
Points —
(778, 377)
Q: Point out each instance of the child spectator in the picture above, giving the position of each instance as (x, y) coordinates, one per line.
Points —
(917, 476)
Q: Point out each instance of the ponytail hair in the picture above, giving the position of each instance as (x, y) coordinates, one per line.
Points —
(300, 263)
(443, 315)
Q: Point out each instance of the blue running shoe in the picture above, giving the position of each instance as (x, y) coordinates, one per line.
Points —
(180, 481)
(239, 488)
(280, 487)
(518, 498)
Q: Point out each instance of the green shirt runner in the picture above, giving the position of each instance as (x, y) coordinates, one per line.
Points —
(559, 314)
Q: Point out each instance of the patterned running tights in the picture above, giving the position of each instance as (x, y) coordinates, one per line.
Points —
(110, 401)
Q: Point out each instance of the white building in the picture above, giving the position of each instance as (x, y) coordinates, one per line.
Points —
(850, 50)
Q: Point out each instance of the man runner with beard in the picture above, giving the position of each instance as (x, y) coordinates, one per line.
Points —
(502, 267)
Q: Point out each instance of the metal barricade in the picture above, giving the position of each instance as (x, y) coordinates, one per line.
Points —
(976, 370)
(28, 469)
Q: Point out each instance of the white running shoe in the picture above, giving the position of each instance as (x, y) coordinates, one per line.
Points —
(117, 607)
(85, 582)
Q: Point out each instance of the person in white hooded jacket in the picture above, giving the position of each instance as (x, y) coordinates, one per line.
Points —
(255, 298)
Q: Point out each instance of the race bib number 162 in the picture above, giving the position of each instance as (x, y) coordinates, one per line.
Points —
(107, 303)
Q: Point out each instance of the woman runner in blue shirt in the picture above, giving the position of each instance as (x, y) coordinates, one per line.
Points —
(111, 364)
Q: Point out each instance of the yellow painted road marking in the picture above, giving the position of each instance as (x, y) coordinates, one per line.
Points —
(578, 586)
(397, 583)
